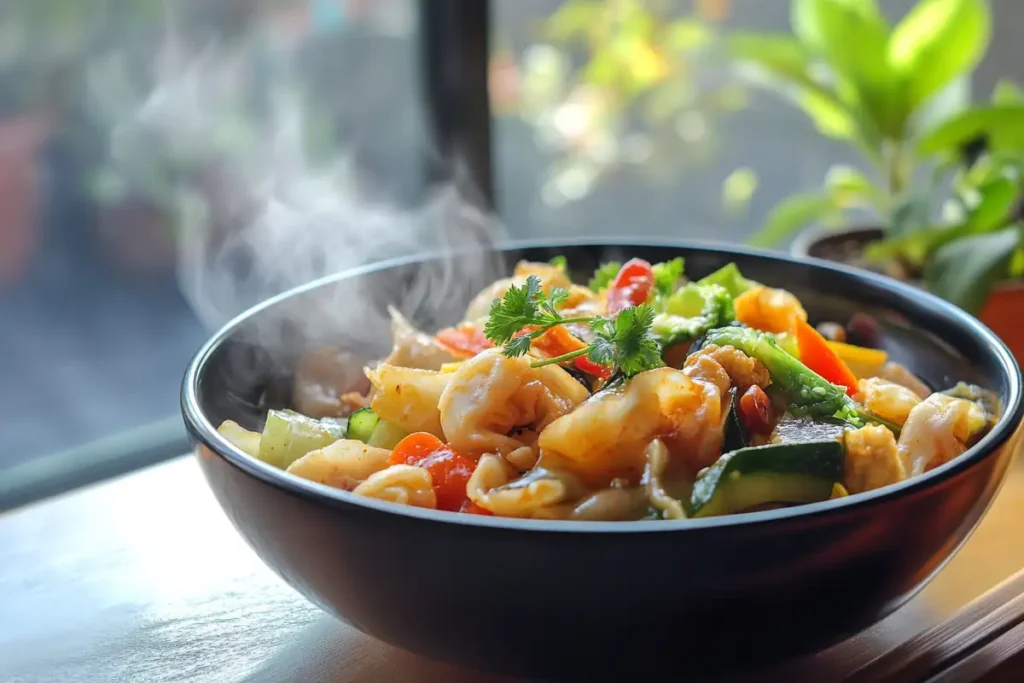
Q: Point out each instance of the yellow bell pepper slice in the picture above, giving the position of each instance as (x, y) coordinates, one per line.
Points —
(863, 362)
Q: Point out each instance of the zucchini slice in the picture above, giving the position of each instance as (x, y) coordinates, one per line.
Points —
(361, 424)
(386, 435)
(791, 473)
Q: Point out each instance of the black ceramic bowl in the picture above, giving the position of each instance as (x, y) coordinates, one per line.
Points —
(547, 597)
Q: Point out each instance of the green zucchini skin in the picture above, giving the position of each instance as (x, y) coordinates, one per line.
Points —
(361, 424)
(736, 434)
(775, 473)
(386, 435)
(288, 435)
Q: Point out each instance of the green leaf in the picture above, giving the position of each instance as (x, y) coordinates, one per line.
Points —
(1007, 92)
(604, 275)
(781, 64)
(853, 37)
(910, 214)
(965, 271)
(996, 199)
(936, 42)
(790, 215)
(1002, 125)
(849, 188)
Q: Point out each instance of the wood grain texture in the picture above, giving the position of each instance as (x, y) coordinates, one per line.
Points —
(143, 579)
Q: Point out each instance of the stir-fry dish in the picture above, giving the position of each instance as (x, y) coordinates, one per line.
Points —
(642, 395)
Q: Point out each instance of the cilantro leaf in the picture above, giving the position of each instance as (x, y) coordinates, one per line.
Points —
(604, 275)
(518, 308)
(628, 342)
(667, 275)
(518, 346)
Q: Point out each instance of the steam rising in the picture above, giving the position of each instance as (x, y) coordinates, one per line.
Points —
(257, 218)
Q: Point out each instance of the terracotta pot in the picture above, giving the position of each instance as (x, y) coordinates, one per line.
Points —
(20, 141)
(1001, 310)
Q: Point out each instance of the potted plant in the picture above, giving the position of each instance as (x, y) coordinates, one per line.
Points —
(943, 182)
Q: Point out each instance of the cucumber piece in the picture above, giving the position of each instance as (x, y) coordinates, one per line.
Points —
(248, 442)
(791, 473)
(386, 435)
(287, 436)
(361, 424)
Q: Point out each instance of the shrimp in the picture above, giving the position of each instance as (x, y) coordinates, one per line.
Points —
(490, 396)
(769, 310)
(887, 400)
(937, 430)
(605, 438)
(872, 459)
(743, 370)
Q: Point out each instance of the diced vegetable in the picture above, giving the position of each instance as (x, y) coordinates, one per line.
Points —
(817, 355)
(386, 435)
(691, 311)
(559, 341)
(755, 410)
(287, 436)
(633, 286)
(776, 473)
(729, 277)
(248, 442)
(839, 491)
(667, 276)
(361, 424)
(862, 361)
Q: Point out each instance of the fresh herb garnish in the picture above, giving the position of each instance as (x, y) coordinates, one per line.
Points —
(624, 343)
(604, 275)
(667, 275)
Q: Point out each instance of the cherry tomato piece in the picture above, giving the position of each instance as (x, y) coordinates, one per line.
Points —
(631, 287)
(450, 472)
(558, 341)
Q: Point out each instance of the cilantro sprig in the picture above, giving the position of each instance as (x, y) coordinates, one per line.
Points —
(624, 343)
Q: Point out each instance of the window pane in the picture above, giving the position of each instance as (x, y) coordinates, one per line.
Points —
(128, 128)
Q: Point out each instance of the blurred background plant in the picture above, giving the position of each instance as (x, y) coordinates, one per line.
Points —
(878, 88)
(622, 83)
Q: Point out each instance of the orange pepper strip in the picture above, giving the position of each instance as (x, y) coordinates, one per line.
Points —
(817, 355)
(558, 341)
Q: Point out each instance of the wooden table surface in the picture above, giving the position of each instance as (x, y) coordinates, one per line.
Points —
(143, 578)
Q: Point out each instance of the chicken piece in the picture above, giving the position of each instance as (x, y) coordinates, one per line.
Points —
(550, 276)
(872, 459)
(605, 437)
(937, 430)
(344, 464)
(497, 404)
(768, 309)
(403, 484)
(412, 348)
(744, 371)
(887, 400)
(409, 397)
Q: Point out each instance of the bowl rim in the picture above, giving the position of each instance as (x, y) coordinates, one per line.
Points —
(202, 429)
